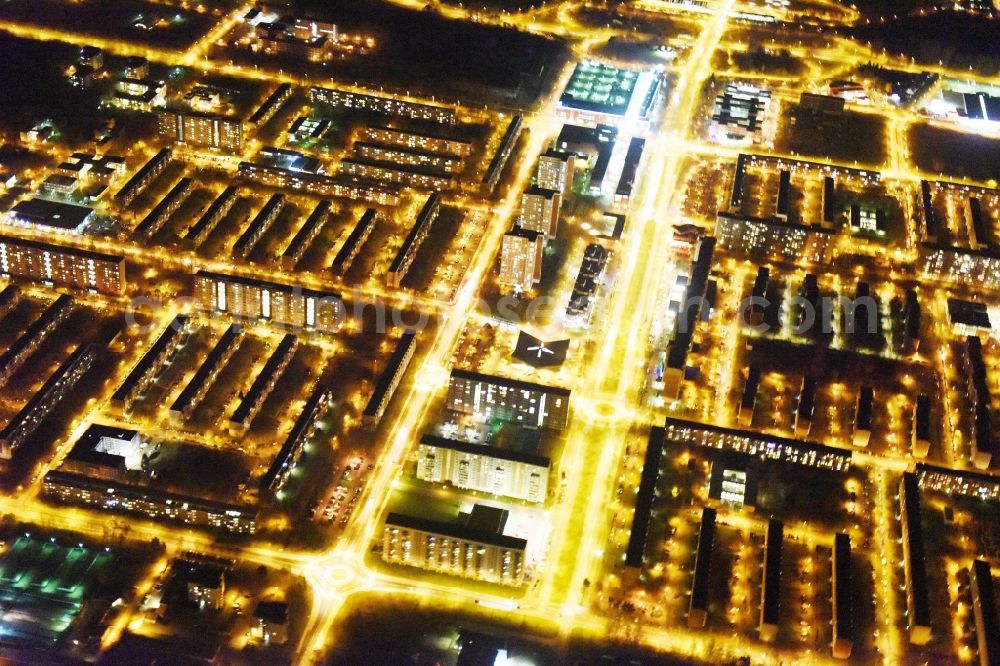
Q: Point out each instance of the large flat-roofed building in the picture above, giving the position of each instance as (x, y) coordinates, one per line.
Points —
(698, 606)
(146, 370)
(410, 157)
(105, 452)
(354, 241)
(521, 258)
(389, 380)
(844, 598)
(980, 398)
(595, 145)
(635, 551)
(261, 222)
(397, 174)
(60, 383)
(964, 266)
(504, 150)
(984, 609)
(285, 305)
(62, 265)
(696, 307)
(264, 383)
(210, 219)
(144, 177)
(271, 105)
(160, 213)
(598, 93)
(15, 356)
(922, 432)
(765, 238)
(201, 130)
(540, 210)
(958, 482)
(105, 495)
(555, 171)
(743, 114)
(429, 142)
(918, 609)
(759, 444)
(47, 215)
(319, 184)
(770, 597)
(407, 252)
(379, 104)
(194, 392)
(276, 477)
(527, 403)
(484, 468)
(305, 235)
(474, 546)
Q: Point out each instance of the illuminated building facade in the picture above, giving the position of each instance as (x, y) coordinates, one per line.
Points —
(521, 258)
(378, 104)
(62, 265)
(489, 396)
(763, 238)
(473, 546)
(540, 210)
(484, 468)
(759, 444)
(430, 143)
(201, 130)
(268, 301)
(122, 498)
(555, 171)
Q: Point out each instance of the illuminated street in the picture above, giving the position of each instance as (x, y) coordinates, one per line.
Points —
(528, 332)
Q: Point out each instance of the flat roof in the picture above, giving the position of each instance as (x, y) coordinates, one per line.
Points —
(644, 498)
(61, 249)
(143, 492)
(314, 221)
(294, 440)
(54, 214)
(454, 530)
(360, 230)
(762, 437)
(596, 86)
(231, 337)
(771, 593)
(177, 193)
(968, 313)
(261, 222)
(509, 383)
(485, 450)
(909, 491)
(173, 329)
(404, 346)
(264, 284)
(224, 200)
(424, 218)
(703, 560)
(282, 353)
(154, 162)
(33, 334)
(843, 591)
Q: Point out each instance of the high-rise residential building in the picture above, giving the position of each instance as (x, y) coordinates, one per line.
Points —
(540, 210)
(521, 258)
(474, 546)
(482, 467)
(527, 403)
(62, 265)
(555, 171)
(202, 130)
(268, 301)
